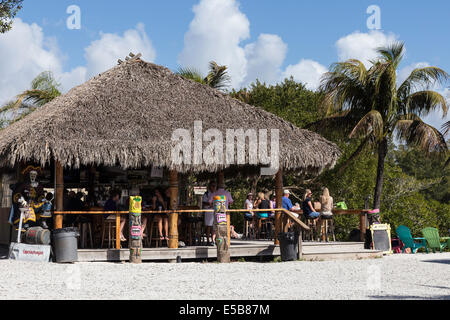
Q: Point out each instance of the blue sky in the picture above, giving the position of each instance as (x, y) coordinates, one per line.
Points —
(256, 38)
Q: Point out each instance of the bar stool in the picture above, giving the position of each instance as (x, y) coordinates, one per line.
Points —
(153, 231)
(309, 235)
(249, 232)
(110, 224)
(190, 229)
(197, 230)
(85, 234)
(328, 225)
(263, 228)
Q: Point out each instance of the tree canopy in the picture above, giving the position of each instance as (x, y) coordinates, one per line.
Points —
(8, 10)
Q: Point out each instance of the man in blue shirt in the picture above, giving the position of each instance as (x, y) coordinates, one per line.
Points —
(287, 203)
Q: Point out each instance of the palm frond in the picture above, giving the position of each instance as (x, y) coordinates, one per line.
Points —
(370, 125)
(218, 76)
(345, 87)
(421, 78)
(191, 74)
(446, 128)
(36, 97)
(393, 53)
(417, 133)
(423, 102)
(362, 146)
(342, 120)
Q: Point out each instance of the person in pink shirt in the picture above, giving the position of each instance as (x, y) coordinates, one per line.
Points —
(222, 192)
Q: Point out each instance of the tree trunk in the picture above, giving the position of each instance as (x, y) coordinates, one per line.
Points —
(382, 152)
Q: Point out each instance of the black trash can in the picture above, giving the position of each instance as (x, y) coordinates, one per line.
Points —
(65, 245)
(288, 245)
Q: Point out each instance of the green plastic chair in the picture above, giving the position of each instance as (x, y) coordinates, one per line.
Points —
(405, 236)
(435, 242)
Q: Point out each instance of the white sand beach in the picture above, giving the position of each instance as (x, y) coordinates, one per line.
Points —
(418, 276)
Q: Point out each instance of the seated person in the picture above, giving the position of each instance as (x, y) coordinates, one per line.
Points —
(263, 203)
(308, 209)
(248, 205)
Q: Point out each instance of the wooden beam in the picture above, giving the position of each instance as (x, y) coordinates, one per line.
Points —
(59, 194)
(279, 200)
(173, 217)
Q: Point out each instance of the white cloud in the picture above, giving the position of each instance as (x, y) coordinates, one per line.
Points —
(215, 34)
(363, 46)
(26, 52)
(306, 71)
(265, 58)
(103, 54)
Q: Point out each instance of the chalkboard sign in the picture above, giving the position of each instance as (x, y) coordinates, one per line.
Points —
(381, 237)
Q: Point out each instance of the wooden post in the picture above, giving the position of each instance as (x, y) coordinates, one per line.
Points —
(117, 231)
(362, 226)
(135, 237)
(222, 230)
(300, 242)
(173, 217)
(279, 200)
(59, 194)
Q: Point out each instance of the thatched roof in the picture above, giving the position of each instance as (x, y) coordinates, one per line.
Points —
(126, 116)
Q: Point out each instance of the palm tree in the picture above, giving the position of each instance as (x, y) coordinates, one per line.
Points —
(446, 128)
(216, 78)
(369, 105)
(44, 89)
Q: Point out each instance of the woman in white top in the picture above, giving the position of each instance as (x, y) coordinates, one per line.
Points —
(326, 203)
(248, 205)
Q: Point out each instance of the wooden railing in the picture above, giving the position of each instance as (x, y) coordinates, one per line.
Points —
(289, 214)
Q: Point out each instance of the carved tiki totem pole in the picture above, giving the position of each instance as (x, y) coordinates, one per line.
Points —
(220, 226)
(135, 242)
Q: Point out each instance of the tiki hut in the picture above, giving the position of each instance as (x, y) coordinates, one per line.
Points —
(127, 115)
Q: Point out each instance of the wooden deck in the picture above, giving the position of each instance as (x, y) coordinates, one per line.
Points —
(313, 251)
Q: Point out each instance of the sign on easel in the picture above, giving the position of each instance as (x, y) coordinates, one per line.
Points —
(381, 238)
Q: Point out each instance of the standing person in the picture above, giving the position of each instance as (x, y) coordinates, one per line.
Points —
(209, 216)
(113, 205)
(160, 204)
